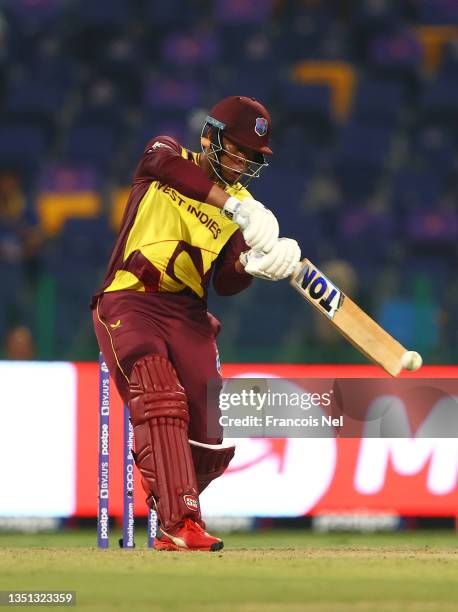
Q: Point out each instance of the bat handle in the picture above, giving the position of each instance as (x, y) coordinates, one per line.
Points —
(297, 270)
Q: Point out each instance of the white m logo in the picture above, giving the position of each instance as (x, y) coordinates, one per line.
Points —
(408, 454)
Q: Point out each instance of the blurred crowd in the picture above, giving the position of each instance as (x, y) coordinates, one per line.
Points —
(364, 99)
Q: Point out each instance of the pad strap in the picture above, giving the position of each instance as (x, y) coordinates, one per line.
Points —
(210, 461)
(159, 413)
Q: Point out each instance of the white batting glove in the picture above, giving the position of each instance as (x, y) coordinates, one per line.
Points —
(258, 224)
(277, 264)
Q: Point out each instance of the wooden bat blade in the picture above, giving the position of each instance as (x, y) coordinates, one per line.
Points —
(352, 322)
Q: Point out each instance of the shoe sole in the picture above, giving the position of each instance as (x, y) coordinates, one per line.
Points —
(171, 547)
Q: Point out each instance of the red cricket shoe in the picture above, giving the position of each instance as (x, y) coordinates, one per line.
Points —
(189, 537)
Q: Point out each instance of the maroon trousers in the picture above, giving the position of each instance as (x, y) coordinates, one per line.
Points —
(131, 324)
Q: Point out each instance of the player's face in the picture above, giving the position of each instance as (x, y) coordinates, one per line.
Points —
(234, 160)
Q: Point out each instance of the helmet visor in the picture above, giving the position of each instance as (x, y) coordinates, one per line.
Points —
(242, 171)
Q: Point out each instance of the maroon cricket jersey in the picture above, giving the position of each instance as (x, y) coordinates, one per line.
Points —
(170, 241)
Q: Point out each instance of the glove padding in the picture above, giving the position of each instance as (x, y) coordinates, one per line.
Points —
(258, 224)
(277, 264)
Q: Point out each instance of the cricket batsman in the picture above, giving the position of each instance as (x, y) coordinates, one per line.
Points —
(189, 219)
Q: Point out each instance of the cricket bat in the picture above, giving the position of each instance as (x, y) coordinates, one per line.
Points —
(352, 322)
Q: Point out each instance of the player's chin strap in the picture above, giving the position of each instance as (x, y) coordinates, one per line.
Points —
(212, 151)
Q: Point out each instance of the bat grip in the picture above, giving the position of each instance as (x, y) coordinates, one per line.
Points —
(297, 270)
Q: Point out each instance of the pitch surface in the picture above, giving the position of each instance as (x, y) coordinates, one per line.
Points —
(271, 571)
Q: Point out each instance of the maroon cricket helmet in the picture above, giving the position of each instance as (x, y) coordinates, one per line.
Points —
(245, 121)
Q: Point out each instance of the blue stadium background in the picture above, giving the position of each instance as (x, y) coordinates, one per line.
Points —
(364, 98)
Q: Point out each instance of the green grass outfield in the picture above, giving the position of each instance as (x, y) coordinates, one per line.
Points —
(267, 571)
